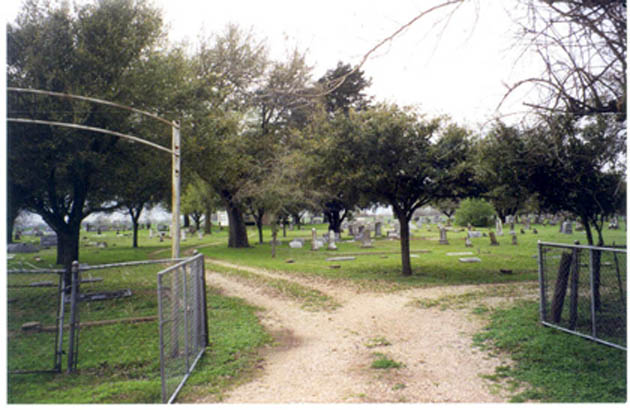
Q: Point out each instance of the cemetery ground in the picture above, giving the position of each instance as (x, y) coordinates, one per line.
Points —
(299, 328)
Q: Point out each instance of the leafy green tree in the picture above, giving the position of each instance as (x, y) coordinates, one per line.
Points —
(92, 50)
(224, 73)
(501, 169)
(474, 211)
(578, 166)
(344, 91)
(397, 158)
(199, 200)
(148, 183)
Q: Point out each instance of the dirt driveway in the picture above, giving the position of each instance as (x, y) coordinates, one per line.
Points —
(326, 356)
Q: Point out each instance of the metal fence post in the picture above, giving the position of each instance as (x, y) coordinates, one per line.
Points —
(592, 277)
(161, 329)
(74, 306)
(185, 268)
(60, 322)
(541, 279)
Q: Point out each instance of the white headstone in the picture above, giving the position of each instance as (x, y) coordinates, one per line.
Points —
(331, 241)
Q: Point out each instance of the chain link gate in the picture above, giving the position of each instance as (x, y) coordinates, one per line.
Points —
(183, 323)
(583, 291)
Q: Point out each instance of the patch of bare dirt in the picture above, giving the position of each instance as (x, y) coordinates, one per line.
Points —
(325, 357)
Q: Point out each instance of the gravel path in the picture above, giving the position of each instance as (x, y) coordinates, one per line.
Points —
(325, 357)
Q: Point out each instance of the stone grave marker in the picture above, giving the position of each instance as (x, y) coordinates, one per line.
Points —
(21, 248)
(493, 239)
(314, 241)
(443, 239)
(48, 241)
(331, 241)
(468, 242)
(567, 227)
(469, 260)
(296, 244)
(366, 241)
(340, 258)
(514, 239)
(499, 227)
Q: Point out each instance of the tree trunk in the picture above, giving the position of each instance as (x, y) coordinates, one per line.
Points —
(258, 218)
(186, 221)
(135, 217)
(207, 226)
(297, 220)
(335, 218)
(134, 223)
(12, 214)
(274, 236)
(238, 231)
(560, 289)
(404, 244)
(597, 257)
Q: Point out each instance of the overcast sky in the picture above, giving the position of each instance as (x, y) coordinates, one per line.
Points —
(459, 68)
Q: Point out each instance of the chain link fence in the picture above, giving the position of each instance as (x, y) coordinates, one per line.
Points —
(183, 323)
(99, 320)
(33, 312)
(583, 291)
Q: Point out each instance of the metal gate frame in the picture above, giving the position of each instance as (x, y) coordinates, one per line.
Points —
(187, 303)
(543, 296)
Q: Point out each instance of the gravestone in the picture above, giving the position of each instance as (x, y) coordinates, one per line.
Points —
(314, 241)
(340, 258)
(614, 224)
(366, 242)
(493, 239)
(183, 235)
(567, 227)
(527, 222)
(48, 241)
(377, 229)
(469, 260)
(475, 234)
(150, 233)
(499, 227)
(200, 234)
(514, 239)
(21, 248)
(296, 244)
(331, 241)
(443, 240)
(468, 242)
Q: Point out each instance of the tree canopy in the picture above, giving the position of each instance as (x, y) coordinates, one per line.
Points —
(96, 50)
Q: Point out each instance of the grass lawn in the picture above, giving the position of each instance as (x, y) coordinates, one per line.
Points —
(380, 266)
(552, 366)
(120, 363)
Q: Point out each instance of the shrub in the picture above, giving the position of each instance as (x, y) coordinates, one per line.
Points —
(476, 212)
